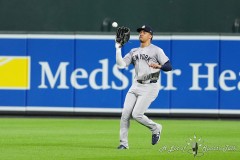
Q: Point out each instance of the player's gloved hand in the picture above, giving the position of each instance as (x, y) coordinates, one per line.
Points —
(122, 35)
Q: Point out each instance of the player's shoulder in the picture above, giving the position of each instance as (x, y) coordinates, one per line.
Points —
(156, 48)
(133, 50)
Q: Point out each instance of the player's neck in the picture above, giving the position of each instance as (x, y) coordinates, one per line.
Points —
(145, 44)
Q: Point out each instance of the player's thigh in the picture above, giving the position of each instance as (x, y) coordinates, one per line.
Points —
(129, 104)
(142, 104)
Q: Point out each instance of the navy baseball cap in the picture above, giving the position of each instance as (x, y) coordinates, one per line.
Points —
(146, 29)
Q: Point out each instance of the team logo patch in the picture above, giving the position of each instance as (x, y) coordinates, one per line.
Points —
(15, 72)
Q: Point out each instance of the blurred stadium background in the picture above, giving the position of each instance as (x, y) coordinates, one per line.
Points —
(91, 16)
(57, 58)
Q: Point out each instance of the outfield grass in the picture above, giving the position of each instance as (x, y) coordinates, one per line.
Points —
(97, 139)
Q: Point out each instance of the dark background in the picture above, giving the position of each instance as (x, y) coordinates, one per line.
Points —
(211, 16)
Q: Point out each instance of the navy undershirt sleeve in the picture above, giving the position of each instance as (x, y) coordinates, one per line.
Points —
(167, 66)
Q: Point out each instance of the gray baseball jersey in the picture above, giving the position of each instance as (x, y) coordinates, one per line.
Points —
(140, 96)
(142, 57)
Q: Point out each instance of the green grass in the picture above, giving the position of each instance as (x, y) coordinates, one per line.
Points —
(95, 139)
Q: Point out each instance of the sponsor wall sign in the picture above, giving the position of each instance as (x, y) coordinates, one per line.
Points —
(77, 73)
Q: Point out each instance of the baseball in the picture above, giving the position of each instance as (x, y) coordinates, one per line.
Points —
(114, 24)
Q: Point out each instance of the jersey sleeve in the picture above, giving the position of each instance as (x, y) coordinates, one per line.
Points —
(128, 58)
(161, 56)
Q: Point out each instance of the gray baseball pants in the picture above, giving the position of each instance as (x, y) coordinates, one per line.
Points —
(137, 101)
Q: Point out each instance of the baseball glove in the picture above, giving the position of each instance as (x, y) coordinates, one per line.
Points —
(122, 35)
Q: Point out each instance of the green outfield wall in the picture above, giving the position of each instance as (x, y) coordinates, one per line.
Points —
(216, 16)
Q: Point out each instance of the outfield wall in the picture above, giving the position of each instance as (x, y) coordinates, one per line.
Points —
(215, 16)
(77, 74)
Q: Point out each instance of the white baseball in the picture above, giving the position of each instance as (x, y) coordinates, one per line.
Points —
(114, 24)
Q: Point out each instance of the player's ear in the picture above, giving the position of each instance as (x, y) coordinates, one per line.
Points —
(151, 36)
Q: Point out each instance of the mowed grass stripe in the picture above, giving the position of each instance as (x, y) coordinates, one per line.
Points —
(56, 138)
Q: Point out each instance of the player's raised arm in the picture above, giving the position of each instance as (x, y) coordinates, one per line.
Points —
(122, 37)
(119, 60)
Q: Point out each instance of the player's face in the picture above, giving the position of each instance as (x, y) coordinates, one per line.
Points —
(144, 36)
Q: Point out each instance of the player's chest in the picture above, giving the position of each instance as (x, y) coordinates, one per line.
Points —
(143, 55)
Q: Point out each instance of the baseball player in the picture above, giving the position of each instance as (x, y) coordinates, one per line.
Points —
(148, 60)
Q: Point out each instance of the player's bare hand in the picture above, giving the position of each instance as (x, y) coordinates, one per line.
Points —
(155, 65)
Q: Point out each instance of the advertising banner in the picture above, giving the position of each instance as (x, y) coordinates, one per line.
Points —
(197, 60)
(14, 71)
(229, 77)
(77, 73)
